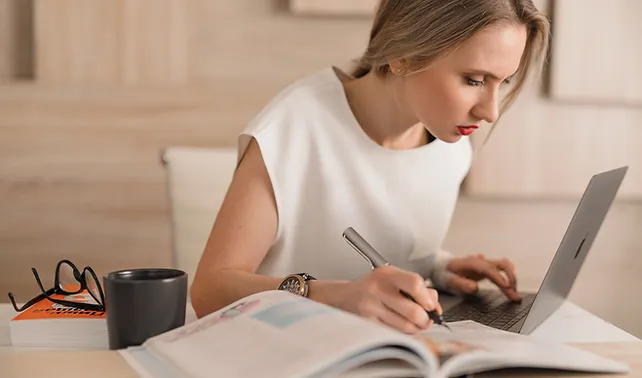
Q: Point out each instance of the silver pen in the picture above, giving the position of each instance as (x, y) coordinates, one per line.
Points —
(371, 255)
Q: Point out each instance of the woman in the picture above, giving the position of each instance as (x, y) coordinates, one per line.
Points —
(383, 150)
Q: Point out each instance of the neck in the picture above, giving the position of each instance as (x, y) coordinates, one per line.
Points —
(377, 110)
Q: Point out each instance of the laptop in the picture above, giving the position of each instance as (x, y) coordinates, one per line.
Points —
(491, 307)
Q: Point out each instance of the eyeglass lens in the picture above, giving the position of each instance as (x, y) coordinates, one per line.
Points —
(92, 286)
(66, 279)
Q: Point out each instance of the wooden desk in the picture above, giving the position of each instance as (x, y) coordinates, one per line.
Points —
(629, 353)
(60, 363)
(21, 363)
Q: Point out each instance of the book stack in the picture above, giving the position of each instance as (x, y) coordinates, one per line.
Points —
(47, 324)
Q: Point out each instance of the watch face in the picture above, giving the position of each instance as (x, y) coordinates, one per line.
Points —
(292, 284)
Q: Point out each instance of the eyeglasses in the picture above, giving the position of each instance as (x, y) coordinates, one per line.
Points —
(68, 280)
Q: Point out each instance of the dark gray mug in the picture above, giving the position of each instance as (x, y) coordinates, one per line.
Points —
(142, 303)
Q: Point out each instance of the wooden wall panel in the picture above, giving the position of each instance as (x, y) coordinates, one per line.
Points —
(119, 41)
(333, 7)
(597, 54)
(142, 42)
(16, 47)
(108, 225)
(52, 132)
(81, 175)
(77, 40)
(155, 41)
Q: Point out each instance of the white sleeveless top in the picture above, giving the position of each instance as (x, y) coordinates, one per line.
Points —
(328, 175)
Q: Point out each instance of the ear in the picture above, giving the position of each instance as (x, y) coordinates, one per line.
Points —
(397, 67)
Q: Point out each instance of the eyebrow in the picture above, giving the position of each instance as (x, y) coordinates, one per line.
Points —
(486, 73)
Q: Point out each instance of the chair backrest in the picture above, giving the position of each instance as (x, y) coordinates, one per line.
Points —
(197, 179)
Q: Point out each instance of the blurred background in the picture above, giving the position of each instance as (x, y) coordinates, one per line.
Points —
(93, 92)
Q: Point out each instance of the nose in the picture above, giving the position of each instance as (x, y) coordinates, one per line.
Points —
(487, 108)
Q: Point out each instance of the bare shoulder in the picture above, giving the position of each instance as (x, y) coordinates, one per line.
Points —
(252, 162)
(245, 226)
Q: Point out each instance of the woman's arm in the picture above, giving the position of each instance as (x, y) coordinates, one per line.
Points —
(243, 232)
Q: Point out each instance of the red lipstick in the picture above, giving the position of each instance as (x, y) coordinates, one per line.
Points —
(467, 130)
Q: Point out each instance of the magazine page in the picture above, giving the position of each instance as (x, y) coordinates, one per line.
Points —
(473, 348)
(276, 332)
(383, 362)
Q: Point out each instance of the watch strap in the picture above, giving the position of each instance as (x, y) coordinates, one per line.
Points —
(306, 276)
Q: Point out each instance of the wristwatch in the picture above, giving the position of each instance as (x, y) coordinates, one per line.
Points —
(296, 283)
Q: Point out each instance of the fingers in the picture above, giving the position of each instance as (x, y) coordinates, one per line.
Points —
(508, 268)
(490, 271)
(408, 315)
(463, 284)
(474, 266)
(435, 296)
(393, 319)
(406, 295)
(477, 267)
(414, 285)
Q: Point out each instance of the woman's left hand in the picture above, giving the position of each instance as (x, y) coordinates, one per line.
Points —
(467, 271)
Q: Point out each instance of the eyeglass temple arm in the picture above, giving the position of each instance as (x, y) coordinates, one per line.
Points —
(35, 274)
(31, 302)
(25, 306)
(34, 300)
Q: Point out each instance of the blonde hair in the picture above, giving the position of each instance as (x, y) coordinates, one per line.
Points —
(422, 31)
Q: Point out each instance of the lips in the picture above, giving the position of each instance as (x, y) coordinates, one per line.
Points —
(467, 130)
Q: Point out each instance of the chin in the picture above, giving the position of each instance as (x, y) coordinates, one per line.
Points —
(449, 138)
(445, 135)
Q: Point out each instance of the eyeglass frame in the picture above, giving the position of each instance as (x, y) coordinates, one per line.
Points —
(57, 289)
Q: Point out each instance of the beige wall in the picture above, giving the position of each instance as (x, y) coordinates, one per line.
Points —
(114, 83)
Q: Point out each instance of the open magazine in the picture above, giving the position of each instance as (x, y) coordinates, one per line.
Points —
(279, 334)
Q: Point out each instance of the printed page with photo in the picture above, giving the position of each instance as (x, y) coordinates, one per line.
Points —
(280, 333)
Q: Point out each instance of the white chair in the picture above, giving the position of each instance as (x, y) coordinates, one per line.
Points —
(197, 180)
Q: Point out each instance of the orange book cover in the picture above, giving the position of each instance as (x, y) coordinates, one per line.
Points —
(45, 309)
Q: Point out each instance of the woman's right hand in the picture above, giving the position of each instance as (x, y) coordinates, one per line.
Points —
(377, 296)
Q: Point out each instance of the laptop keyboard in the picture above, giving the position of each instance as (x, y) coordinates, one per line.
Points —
(492, 309)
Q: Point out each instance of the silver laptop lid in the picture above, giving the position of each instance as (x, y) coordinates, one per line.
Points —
(575, 245)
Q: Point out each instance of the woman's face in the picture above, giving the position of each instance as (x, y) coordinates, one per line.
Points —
(457, 92)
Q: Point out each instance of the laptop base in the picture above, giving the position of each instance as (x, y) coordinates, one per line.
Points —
(491, 308)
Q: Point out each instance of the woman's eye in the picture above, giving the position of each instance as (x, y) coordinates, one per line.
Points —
(475, 83)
